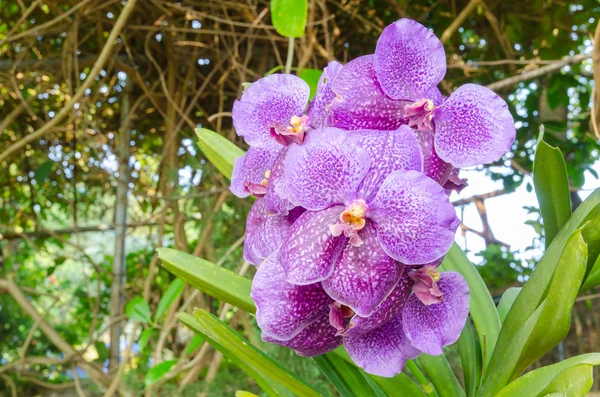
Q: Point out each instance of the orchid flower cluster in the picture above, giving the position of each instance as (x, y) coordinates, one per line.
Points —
(352, 214)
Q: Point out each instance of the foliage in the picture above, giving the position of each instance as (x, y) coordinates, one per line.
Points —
(180, 65)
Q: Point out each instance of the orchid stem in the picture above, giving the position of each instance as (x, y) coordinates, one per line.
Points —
(425, 384)
(290, 56)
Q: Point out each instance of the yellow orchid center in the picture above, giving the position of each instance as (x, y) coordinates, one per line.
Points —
(355, 214)
(265, 181)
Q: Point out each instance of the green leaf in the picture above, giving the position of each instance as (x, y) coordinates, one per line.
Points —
(311, 76)
(266, 384)
(158, 371)
(193, 345)
(346, 378)
(506, 302)
(137, 309)
(470, 357)
(219, 333)
(220, 151)
(551, 188)
(102, 350)
(483, 311)
(145, 338)
(496, 377)
(534, 290)
(534, 383)
(556, 308)
(289, 17)
(561, 295)
(169, 297)
(575, 381)
(591, 235)
(593, 279)
(209, 278)
(43, 171)
(439, 371)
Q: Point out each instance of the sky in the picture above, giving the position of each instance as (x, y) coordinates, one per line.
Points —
(506, 213)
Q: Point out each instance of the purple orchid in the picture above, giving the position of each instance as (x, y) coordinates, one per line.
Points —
(265, 232)
(270, 117)
(369, 211)
(305, 318)
(397, 85)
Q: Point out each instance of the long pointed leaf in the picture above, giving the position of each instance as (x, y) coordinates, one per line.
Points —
(346, 377)
(220, 151)
(219, 332)
(439, 371)
(534, 382)
(171, 294)
(262, 381)
(551, 188)
(534, 290)
(214, 280)
(555, 310)
(470, 357)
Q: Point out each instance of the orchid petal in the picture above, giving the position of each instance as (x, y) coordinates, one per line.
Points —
(473, 127)
(360, 103)
(409, 60)
(283, 310)
(269, 102)
(415, 220)
(310, 251)
(431, 327)
(364, 275)
(327, 164)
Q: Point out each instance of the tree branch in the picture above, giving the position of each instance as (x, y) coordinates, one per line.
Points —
(91, 78)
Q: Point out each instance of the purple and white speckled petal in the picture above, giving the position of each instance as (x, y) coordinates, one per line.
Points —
(409, 60)
(327, 169)
(249, 170)
(319, 111)
(432, 327)
(383, 351)
(388, 309)
(310, 251)
(360, 103)
(364, 275)
(264, 233)
(283, 310)
(278, 200)
(317, 338)
(266, 103)
(433, 166)
(415, 220)
(389, 151)
(473, 127)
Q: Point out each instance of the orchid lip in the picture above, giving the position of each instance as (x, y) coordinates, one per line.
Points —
(351, 221)
(420, 114)
(293, 132)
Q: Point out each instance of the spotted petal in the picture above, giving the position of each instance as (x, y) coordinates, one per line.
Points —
(409, 60)
(309, 252)
(360, 103)
(283, 310)
(327, 169)
(433, 166)
(415, 220)
(266, 103)
(249, 169)
(278, 199)
(364, 275)
(389, 151)
(392, 306)
(383, 351)
(319, 110)
(473, 127)
(264, 233)
(317, 338)
(432, 327)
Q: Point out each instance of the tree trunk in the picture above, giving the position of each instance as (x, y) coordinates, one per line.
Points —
(117, 296)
